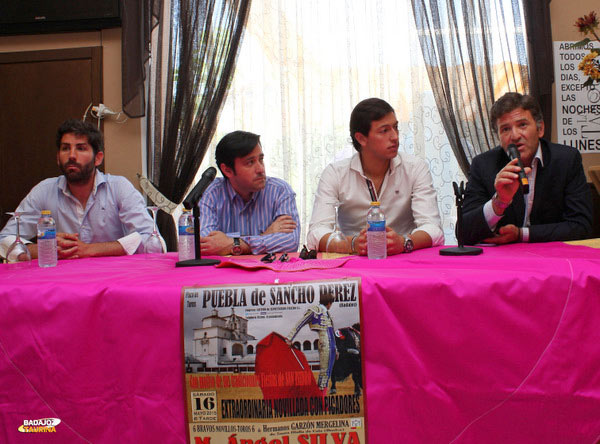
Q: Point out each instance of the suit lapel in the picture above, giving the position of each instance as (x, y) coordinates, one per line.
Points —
(541, 178)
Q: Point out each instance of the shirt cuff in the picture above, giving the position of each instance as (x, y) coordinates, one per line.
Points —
(525, 234)
(490, 216)
(313, 238)
(256, 244)
(435, 233)
(131, 242)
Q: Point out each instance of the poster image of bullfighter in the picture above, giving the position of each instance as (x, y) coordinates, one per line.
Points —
(319, 320)
(260, 358)
(348, 363)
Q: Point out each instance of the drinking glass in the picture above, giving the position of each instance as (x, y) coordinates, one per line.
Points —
(18, 251)
(337, 241)
(153, 243)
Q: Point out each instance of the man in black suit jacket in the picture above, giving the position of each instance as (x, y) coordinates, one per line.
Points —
(558, 205)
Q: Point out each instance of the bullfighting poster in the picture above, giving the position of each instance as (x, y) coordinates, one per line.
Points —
(274, 363)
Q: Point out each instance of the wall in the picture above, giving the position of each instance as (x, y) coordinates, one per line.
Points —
(123, 145)
(564, 13)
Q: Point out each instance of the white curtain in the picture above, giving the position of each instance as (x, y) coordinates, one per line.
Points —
(303, 66)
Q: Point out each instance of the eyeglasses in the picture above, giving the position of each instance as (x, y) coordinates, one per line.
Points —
(306, 254)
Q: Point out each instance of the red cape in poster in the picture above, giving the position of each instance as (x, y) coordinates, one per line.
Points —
(276, 360)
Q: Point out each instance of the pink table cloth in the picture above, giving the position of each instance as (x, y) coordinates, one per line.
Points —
(498, 348)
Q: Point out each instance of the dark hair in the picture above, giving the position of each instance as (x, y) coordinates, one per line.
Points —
(81, 128)
(511, 101)
(326, 298)
(234, 145)
(364, 113)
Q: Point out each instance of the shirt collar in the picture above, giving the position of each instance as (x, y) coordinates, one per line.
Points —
(538, 155)
(232, 194)
(356, 165)
(99, 178)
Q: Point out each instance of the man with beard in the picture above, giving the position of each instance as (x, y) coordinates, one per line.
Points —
(246, 212)
(96, 214)
(401, 183)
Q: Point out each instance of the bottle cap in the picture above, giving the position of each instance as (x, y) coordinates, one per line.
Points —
(46, 212)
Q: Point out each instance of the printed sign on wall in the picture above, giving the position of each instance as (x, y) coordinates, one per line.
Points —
(577, 107)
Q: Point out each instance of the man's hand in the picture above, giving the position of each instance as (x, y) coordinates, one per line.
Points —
(395, 242)
(68, 245)
(360, 243)
(506, 235)
(216, 243)
(281, 224)
(507, 180)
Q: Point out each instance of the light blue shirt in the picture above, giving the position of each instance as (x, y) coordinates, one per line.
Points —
(223, 209)
(114, 210)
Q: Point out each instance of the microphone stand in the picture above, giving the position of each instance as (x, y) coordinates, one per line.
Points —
(198, 261)
(461, 250)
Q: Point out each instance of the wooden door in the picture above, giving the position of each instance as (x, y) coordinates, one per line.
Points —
(38, 91)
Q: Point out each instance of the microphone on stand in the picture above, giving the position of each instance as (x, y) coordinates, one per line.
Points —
(194, 196)
(513, 153)
(460, 250)
(191, 203)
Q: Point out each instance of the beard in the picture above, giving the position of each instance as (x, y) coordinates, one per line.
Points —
(82, 175)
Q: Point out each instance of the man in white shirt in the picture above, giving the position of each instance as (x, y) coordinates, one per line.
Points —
(96, 214)
(400, 182)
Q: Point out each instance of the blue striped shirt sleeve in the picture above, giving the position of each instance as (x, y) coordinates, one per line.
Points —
(278, 242)
(220, 212)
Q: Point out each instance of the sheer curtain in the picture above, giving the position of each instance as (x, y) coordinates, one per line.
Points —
(474, 52)
(303, 66)
(196, 48)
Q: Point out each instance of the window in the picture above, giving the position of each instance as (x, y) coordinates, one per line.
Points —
(302, 67)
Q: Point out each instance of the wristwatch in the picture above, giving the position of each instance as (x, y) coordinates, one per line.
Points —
(236, 249)
(408, 244)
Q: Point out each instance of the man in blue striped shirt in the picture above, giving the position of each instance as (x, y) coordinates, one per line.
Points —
(246, 212)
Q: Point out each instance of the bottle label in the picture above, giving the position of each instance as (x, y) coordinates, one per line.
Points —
(377, 226)
(186, 230)
(47, 234)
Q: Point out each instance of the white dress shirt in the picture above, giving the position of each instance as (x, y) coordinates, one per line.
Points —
(407, 199)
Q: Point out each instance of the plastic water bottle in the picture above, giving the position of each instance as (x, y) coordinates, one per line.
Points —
(376, 237)
(186, 236)
(46, 240)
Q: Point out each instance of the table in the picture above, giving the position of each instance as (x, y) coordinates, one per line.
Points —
(502, 347)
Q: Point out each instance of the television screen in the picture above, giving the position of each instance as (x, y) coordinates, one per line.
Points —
(46, 16)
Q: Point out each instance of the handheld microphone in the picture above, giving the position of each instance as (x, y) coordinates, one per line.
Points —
(192, 199)
(513, 153)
